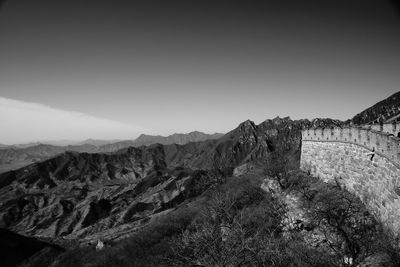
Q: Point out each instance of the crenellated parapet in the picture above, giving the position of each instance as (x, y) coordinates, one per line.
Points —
(381, 142)
(390, 128)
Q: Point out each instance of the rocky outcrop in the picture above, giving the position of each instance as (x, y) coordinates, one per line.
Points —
(247, 143)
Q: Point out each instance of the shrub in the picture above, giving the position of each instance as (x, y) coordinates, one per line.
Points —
(336, 210)
(238, 230)
(280, 166)
(235, 223)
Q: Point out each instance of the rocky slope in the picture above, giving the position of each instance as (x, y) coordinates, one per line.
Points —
(87, 195)
(78, 195)
(75, 199)
(384, 109)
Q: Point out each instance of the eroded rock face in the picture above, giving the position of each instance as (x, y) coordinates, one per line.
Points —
(87, 209)
(247, 143)
(73, 191)
(97, 210)
(85, 196)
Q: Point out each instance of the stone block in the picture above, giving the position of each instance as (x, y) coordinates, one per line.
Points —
(376, 182)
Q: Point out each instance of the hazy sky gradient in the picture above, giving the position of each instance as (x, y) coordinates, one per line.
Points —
(178, 66)
(33, 122)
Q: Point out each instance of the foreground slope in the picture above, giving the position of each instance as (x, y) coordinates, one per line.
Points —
(16, 248)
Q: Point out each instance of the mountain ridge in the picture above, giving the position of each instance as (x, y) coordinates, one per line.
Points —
(383, 110)
(80, 197)
(88, 193)
(12, 157)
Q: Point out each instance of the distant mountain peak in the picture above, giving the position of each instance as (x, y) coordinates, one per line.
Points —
(278, 120)
(176, 138)
(247, 124)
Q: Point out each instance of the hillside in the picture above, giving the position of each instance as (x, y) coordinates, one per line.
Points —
(78, 189)
(384, 110)
(15, 157)
(142, 193)
(91, 193)
(16, 248)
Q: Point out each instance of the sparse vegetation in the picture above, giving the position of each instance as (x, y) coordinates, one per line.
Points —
(239, 224)
(201, 217)
(349, 230)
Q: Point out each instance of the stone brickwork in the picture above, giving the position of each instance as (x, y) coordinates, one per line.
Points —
(344, 155)
(390, 128)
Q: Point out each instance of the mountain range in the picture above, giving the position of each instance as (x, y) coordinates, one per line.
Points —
(76, 195)
(88, 193)
(17, 156)
(84, 196)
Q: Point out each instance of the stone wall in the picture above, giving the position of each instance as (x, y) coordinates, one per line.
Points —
(342, 154)
(390, 128)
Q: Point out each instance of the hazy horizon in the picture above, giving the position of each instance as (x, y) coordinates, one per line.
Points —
(73, 70)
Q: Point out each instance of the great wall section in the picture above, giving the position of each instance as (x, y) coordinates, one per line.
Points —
(366, 161)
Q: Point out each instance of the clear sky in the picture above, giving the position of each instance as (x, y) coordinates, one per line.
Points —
(159, 67)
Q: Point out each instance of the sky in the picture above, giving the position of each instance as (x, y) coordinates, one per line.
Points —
(115, 69)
